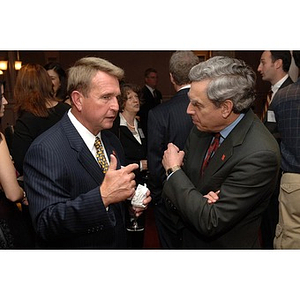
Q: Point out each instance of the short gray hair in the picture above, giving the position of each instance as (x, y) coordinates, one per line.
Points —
(83, 71)
(180, 65)
(230, 78)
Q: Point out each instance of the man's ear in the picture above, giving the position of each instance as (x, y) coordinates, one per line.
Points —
(77, 98)
(171, 78)
(226, 108)
(278, 63)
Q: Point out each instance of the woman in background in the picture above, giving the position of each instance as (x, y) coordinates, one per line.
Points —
(127, 128)
(12, 230)
(37, 107)
(8, 180)
(59, 80)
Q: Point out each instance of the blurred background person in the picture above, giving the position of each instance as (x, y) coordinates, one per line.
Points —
(37, 107)
(287, 112)
(150, 96)
(273, 67)
(169, 123)
(13, 232)
(59, 80)
(128, 129)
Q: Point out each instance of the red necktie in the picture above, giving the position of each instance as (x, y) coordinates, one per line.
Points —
(211, 150)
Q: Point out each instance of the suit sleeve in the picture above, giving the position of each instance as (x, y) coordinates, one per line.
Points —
(57, 214)
(245, 187)
(156, 148)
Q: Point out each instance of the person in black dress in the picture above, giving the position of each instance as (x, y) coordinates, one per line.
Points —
(12, 230)
(127, 128)
(37, 109)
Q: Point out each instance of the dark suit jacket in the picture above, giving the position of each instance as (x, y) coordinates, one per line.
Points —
(147, 103)
(272, 126)
(167, 123)
(134, 151)
(28, 127)
(62, 180)
(244, 169)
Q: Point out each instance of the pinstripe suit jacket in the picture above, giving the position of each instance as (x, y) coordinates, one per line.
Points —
(62, 180)
(167, 123)
(244, 169)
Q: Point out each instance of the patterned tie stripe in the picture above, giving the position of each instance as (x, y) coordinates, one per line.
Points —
(267, 104)
(211, 150)
(100, 155)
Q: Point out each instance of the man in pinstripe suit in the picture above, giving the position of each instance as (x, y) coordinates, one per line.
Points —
(73, 202)
(169, 122)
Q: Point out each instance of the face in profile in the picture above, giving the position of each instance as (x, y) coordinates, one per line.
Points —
(205, 115)
(55, 80)
(266, 67)
(100, 107)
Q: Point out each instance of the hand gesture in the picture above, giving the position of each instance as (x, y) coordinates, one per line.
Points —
(172, 157)
(118, 185)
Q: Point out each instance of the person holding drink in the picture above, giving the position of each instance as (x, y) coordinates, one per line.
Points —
(75, 185)
(128, 129)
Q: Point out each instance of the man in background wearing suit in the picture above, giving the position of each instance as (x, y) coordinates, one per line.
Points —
(75, 194)
(287, 111)
(273, 67)
(150, 96)
(229, 156)
(169, 123)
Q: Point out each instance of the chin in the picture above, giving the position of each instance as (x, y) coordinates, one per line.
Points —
(108, 125)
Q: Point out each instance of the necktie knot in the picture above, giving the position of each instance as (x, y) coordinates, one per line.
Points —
(270, 93)
(101, 159)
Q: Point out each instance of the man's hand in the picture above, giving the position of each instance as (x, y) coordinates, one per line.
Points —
(172, 157)
(212, 197)
(139, 210)
(118, 185)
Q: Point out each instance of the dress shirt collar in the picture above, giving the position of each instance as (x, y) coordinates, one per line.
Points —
(85, 134)
(123, 121)
(136, 134)
(185, 87)
(150, 89)
(278, 84)
(225, 132)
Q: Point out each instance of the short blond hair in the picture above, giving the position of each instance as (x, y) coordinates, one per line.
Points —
(83, 71)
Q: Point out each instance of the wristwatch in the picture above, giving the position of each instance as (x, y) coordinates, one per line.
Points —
(173, 169)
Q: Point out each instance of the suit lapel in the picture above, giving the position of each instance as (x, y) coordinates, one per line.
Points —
(85, 157)
(225, 151)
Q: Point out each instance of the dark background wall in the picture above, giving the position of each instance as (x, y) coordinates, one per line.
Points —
(134, 64)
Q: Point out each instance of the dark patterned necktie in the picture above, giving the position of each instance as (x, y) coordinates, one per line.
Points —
(267, 104)
(100, 155)
(154, 94)
(211, 150)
